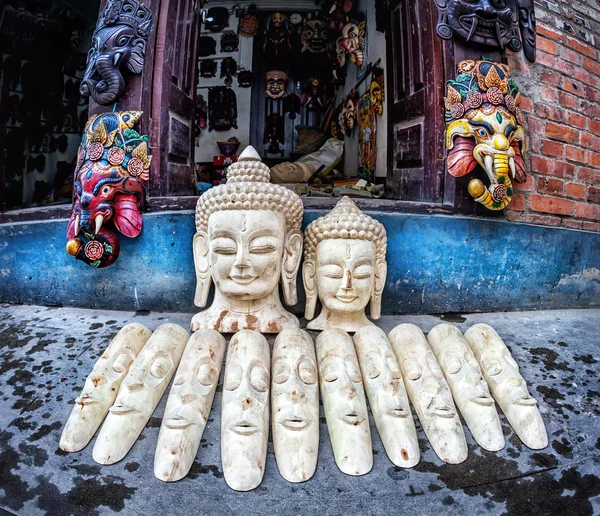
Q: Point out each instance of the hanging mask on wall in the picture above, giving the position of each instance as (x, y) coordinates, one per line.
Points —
(207, 46)
(208, 68)
(276, 83)
(350, 112)
(228, 69)
(248, 26)
(229, 41)
(119, 42)
(313, 94)
(353, 42)
(245, 78)
(274, 133)
(491, 23)
(377, 90)
(528, 25)
(485, 127)
(278, 32)
(315, 37)
(222, 107)
(216, 19)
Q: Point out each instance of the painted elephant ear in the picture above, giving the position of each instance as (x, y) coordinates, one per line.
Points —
(460, 157)
(520, 175)
(136, 60)
(128, 217)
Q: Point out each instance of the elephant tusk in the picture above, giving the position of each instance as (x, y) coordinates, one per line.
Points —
(489, 164)
(77, 227)
(99, 219)
(511, 164)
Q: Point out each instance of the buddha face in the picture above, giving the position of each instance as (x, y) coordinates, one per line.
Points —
(189, 404)
(295, 404)
(387, 396)
(344, 402)
(246, 251)
(245, 411)
(345, 274)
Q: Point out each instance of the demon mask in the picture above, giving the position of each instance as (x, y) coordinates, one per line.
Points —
(315, 37)
(353, 42)
(109, 188)
(276, 83)
(485, 127)
(119, 42)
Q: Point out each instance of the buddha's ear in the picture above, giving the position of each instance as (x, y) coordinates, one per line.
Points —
(310, 286)
(202, 266)
(378, 284)
(292, 254)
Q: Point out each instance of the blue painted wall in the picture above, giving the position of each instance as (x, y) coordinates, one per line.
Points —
(435, 264)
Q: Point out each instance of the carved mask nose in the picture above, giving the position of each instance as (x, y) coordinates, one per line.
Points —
(85, 201)
(486, 14)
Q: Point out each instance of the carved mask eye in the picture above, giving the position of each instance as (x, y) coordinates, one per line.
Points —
(207, 374)
(353, 370)
(492, 365)
(281, 372)
(307, 372)
(122, 363)
(259, 378)
(413, 369)
(233, 377)
(160, 367)
(452, 363)
(372, 366)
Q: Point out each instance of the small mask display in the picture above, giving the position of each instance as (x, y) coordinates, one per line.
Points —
(277, 36)
(248, 26)
(344, 266)
(208, 68)
(315, 37)
(101, 387)
(295, 405)
(140, 392)
(112, 171)
(313, 94)
(247, 240)
(245, 411)
(485, 127)
(274, 133)
(222, 109)
(502, 374)
(353, 41)
(216, 19)
(245, 78)
(496, 24)
(276, 83)
(118, 43)
(229, 41)
(387, 396)
(469, 390)
(429, 393)
(228, 70)
(344, 402)
(339, 12)
(188, 405)
(377, 90)
(207, 46)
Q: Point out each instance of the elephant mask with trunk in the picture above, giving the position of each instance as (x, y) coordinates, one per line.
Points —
(109, 187)
(485, 127)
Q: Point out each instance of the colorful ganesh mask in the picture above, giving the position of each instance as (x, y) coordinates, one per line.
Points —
(119, 42)
(109, 187)
(485, 127)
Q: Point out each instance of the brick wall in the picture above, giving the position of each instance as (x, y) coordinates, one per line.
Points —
(562, 108)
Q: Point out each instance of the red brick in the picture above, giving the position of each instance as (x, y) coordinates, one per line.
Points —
(547, 46)
(589, 141)
(593, 159)
(589, 175)
(591, 226)
(576, 120)
(594, 127)
(594, 194)
(575, 190)
(554, 149)
(586, 77)
(592, 94)
(591, 65)
(517, 202)
(591, 109)
(572, 223)
(534, 125)
(575, 154)
(568, 100)
(527, 186)
(547, 204)
(550, 185)
(554, 62)
(562, 132)
(574, 87)
(587, 211)
(526, 105)
(550, 77)
(544, 110)
(549, 33)
(569, 55)
(546, 220)
(547, 93)
(582, 48)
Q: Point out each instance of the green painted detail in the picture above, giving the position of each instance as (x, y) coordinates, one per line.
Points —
(95, 264)
(498, 117)
(509, 191)
(501, 179)
(107, 248)
(496, 204)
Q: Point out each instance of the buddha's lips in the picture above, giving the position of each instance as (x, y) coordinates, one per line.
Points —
(345, 299)
(243, 280)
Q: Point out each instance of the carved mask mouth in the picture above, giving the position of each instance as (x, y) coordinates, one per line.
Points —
(178, 423)
(398, 412)
(352, 418)
(87, 399)
(295, 423)
(443, 411)
(486, 28)
(121, 409)
(482, 399)
(244, 428)
(526, 400)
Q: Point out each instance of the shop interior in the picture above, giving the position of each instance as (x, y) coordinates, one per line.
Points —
(304, 83)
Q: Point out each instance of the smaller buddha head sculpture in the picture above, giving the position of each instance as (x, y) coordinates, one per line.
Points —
(276, 83)
(344, 402)
(295, 405)
(353, 41)
(245, 410)
(345, 267)
(315, 36)
(248, 239)
(485, 127)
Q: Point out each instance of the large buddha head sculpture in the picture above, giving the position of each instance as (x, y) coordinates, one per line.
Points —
(485, 127)
(247, 240)
(345, 267)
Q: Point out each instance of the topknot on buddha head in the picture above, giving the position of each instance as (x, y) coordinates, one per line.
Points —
(248, 187)
(345, 221)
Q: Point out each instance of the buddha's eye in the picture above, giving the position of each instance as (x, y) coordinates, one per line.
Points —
(263, 245)
(332, 271)
(362, 272)
(224, 246)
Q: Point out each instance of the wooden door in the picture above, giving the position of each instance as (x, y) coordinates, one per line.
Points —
(174, 98)
(416, 117)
